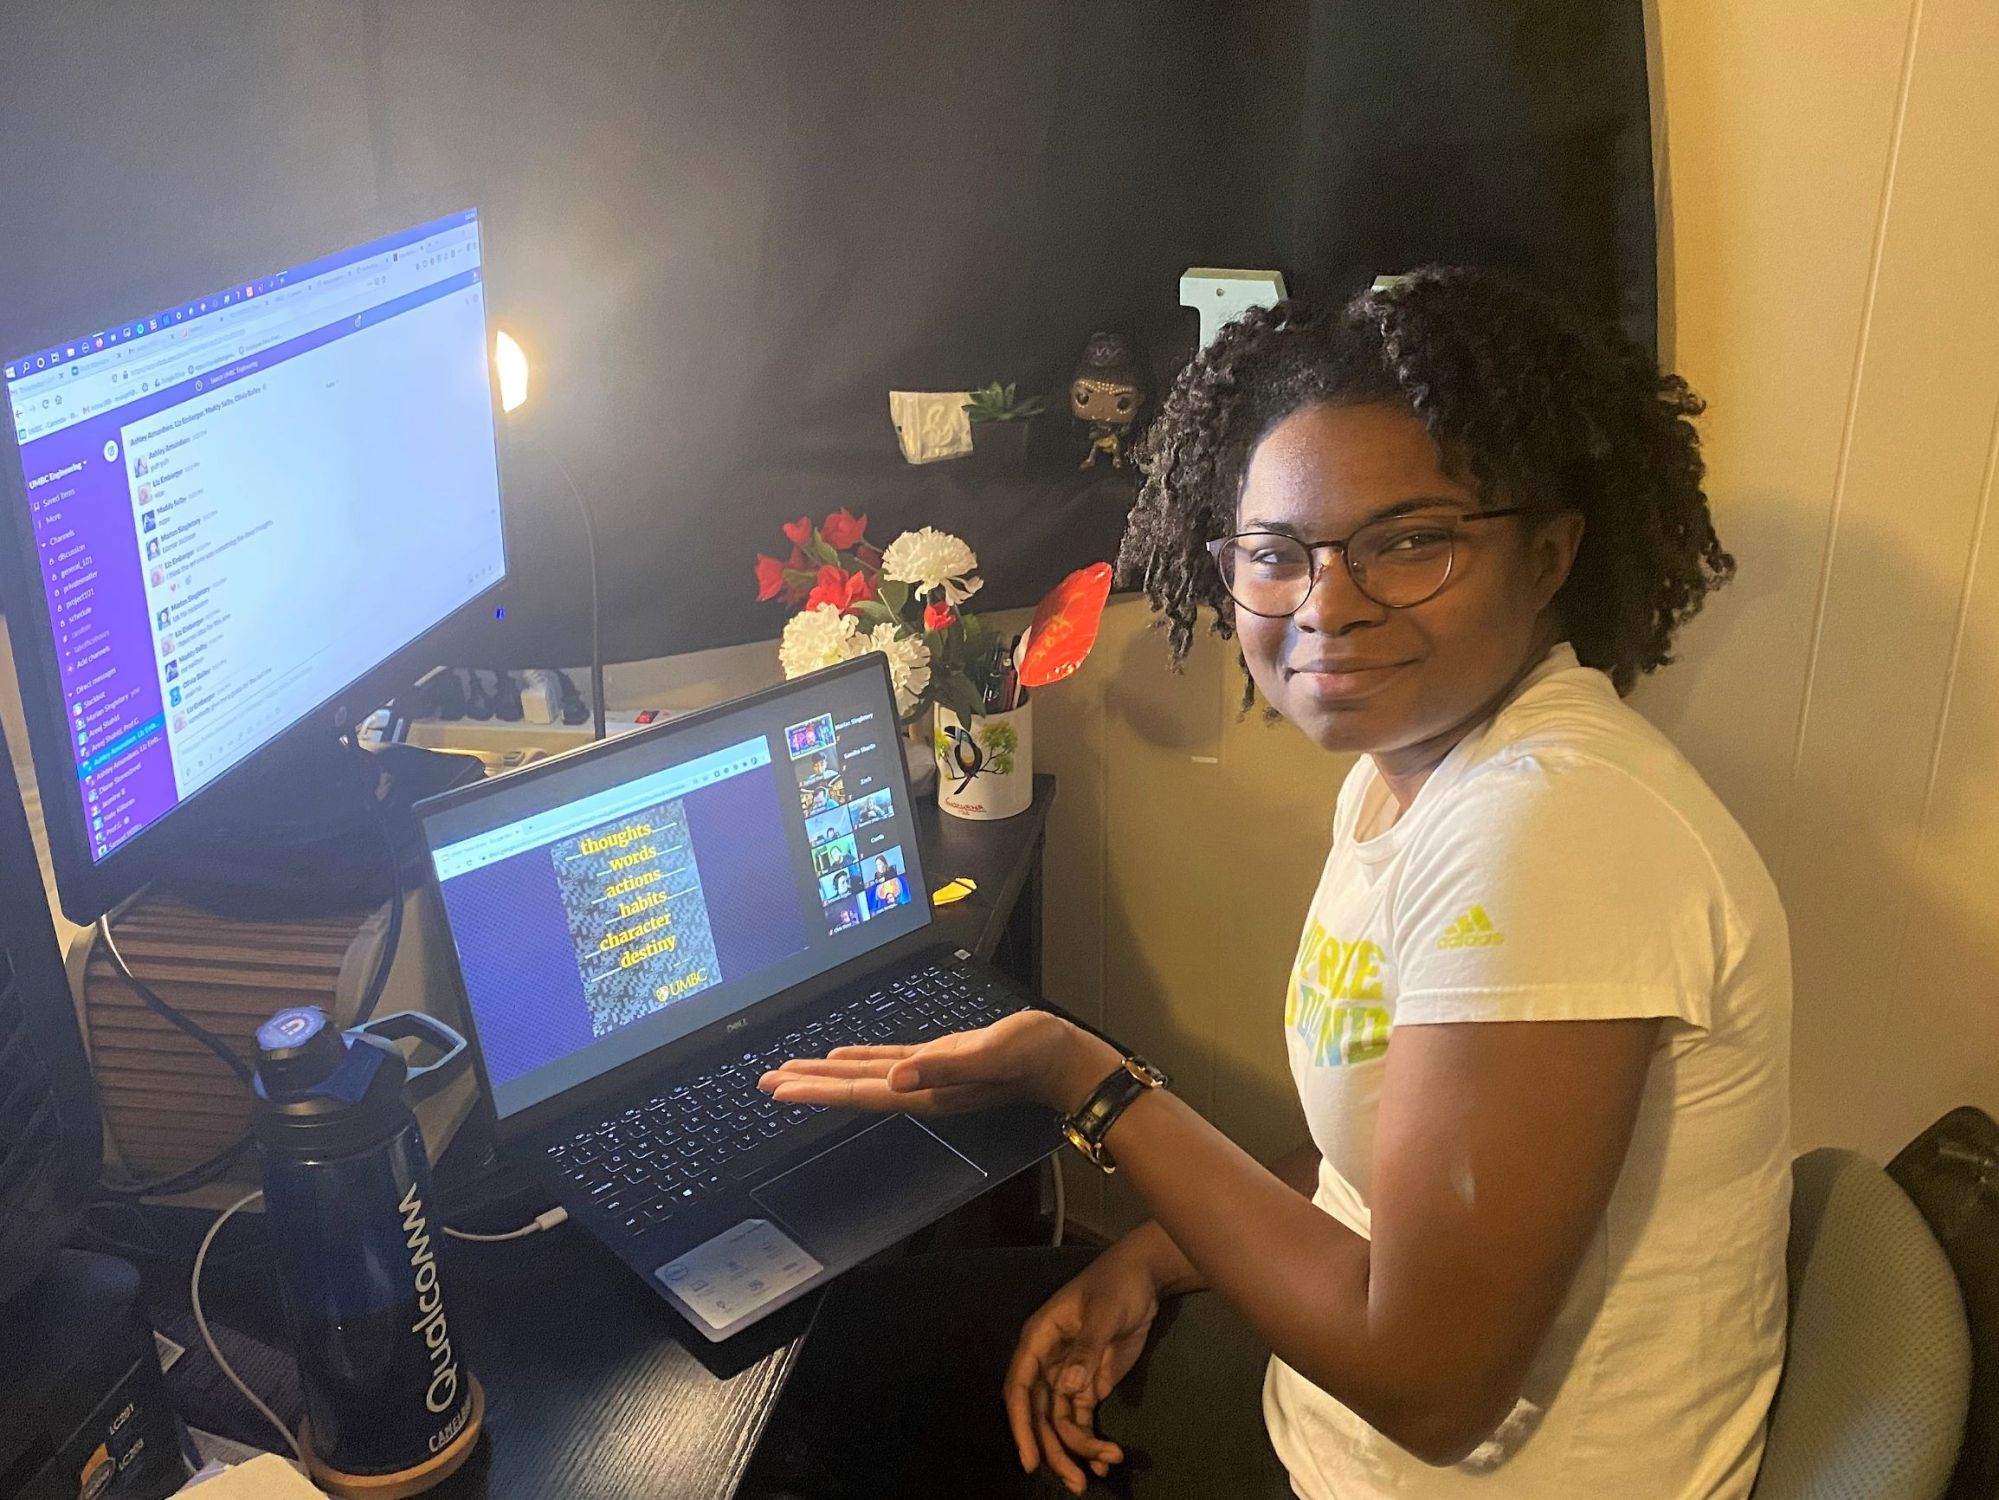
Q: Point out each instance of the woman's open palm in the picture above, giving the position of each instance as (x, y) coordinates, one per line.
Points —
(1013, 1059)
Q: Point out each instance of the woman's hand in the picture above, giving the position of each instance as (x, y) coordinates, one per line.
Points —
(1072, 1352)
(1030, 1056)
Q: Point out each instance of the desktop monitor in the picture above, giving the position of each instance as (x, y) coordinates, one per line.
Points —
(232, 517)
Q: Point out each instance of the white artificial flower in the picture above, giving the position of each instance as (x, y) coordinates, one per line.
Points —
(816, 638)
(930, 560)
(908, 663)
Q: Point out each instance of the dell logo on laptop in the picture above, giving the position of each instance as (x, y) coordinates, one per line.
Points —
(737, 1024)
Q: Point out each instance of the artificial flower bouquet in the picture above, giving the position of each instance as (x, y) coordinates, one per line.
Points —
(905, 600)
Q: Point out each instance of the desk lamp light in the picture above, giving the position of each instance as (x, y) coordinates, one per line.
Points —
(510, 363)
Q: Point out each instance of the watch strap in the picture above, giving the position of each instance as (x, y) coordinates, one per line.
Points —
(1087, 1127)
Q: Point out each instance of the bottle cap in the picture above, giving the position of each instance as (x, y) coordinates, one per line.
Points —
(321, 1090)
(298, 1048)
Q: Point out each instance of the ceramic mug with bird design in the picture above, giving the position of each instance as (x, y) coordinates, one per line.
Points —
(985, 769)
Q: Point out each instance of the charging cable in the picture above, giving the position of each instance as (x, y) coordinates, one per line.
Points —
(547, 1220)
(208, 1339)
(1061, 1201)
(554, 1216)
(187, 1180)
(207, 1170)
(218, 1164)
(168, 1013)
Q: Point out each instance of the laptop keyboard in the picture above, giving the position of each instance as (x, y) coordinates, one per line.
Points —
(644, 1164)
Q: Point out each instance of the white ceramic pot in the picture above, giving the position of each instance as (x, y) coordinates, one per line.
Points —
(985, 769)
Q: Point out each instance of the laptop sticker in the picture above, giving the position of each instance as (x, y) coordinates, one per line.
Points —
(728, 1279)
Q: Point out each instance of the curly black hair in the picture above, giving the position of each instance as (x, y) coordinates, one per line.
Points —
(1527, 402)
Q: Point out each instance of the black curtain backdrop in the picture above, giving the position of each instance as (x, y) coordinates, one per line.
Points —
(724, 231)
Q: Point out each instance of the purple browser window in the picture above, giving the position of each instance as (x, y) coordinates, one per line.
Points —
(243, 503)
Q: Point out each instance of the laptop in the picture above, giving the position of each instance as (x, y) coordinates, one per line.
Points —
(644, 926)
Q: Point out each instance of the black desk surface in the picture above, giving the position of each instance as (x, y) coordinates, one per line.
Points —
(588, 1392)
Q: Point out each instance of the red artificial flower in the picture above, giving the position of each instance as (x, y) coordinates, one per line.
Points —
(868, 557)
(770, 577)
(799, 532)
(841, 590)
(842, 529)
(939, 616)
(829, 588)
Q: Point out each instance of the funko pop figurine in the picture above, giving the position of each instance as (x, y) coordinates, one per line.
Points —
(1107, 391)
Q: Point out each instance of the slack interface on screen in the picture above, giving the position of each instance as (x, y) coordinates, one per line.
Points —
(602, 910)
(242, 504)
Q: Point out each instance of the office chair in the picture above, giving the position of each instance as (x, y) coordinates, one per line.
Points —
(1878, 1373)
(1951, 1171)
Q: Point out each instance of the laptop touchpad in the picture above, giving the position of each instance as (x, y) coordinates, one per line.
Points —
(869, 1191)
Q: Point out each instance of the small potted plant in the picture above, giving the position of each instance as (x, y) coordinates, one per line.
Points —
(1001, 423)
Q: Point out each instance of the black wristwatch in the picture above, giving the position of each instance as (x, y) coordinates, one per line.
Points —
(1093, 1119)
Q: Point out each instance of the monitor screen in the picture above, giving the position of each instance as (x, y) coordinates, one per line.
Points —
(242, 504)
(610, 904)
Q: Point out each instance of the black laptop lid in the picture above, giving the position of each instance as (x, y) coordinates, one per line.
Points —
(614, 901)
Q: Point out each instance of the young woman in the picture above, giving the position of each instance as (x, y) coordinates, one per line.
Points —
(1539, 1016)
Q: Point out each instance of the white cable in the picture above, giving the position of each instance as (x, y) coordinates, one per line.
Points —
(201, 1323)
(548, 1220)
(1061, 1201)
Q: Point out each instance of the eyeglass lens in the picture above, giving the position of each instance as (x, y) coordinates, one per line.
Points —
(1396, 562)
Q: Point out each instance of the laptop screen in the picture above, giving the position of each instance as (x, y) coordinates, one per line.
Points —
(614, 903)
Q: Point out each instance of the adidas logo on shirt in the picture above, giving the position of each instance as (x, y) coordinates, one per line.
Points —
(1472, 930)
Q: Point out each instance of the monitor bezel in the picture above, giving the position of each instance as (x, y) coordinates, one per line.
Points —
(88, 888)
(534, 1121)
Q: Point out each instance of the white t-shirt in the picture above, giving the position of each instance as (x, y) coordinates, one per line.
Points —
(1564, 862)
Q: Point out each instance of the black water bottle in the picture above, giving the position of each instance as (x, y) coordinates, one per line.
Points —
(390, 1406)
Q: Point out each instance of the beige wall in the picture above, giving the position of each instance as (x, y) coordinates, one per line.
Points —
(1834, 219)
